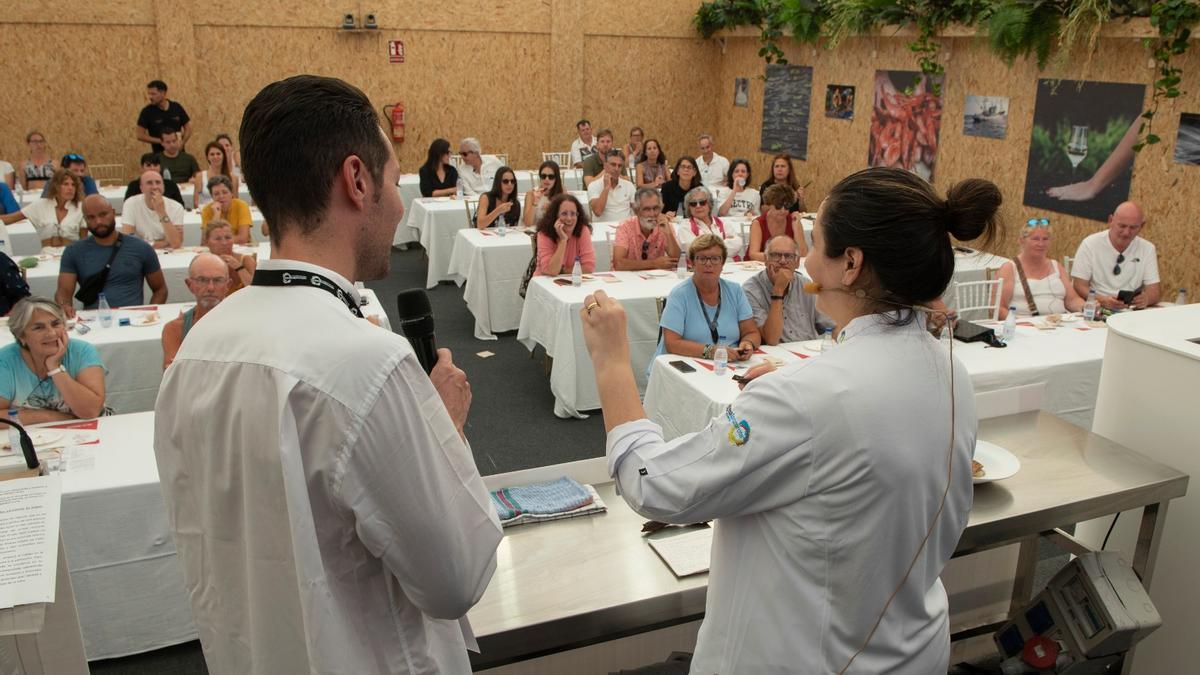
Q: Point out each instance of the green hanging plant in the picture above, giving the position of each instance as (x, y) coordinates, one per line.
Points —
(1020, 28)
(1174, 20)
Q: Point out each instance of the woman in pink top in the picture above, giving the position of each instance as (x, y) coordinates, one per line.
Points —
(564, 234)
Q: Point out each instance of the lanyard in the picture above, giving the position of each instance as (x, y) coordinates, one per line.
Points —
(712, 323)
(308, 279)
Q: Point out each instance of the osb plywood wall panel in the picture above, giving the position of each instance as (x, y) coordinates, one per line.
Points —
(631, 81)
(500, 16)
(1169, 192)
(84, 99)
(636, 18)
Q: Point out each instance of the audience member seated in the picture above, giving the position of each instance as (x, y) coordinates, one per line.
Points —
(1050, 291)
(438, 177)
(150, 163)
(1118, 260)
(593, 164)
(645, 241)
(8, 175)
(633, 149)
(699, 221)
(45, 374)
(235, 157)
(39, 168)
(705, 311)
(218, 165)
(583, 145)
(10, 210)
(208, 280)
(684, 178)
(478, 171)
(227, 208)
(737, 199)
(14, 285)
(177, 164)
(713, 168)
(611, 196)
(160, 114)
(782, 310)
(547, 186)
(776, 220)
(564, 236)
(151, 216)
(134, 264)
(219, 240)
(499, 206)
(77, 165)
(783, 173)
(58, 219)
(652, 165)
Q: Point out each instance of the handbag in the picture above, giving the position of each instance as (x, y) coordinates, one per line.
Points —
(965, 331)
(530, 269)
(91, 287)
(1025, 285)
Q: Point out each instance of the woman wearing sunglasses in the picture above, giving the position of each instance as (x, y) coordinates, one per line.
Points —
(776, 221)
(547, 186)
(700, 220)
(499, 206)
(1035, 283)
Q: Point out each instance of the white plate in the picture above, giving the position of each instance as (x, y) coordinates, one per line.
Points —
(144, 321)
(40, 437)
(811, 345)
(997, 462)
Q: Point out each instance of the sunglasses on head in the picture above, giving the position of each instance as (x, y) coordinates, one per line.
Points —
(73, 157)
(1037, 222)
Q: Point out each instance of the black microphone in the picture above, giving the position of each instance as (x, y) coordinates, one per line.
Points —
(31, 459)
(416, 324)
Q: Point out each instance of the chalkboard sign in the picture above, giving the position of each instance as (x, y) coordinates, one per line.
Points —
(787, 100)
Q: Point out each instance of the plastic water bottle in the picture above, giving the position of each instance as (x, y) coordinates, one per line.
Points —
(827, 343)
(1090, 308)
(720, 360)
(105, 312)
(166, 174)
(458, 190)
(1010, 324)
(14, 436)
(1181, 297)
(577, 273)
(681, 268)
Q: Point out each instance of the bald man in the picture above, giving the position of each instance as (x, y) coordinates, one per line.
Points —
(151, 216)
(133, 264)
(1118, 260)
(208, 280)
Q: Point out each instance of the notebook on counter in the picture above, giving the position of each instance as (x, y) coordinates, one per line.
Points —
(686, 553)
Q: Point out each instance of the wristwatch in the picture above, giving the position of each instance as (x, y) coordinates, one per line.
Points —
(778, 297)
(164, 219)
(52, 373)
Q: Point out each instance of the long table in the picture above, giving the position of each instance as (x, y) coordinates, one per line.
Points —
(1067, 360)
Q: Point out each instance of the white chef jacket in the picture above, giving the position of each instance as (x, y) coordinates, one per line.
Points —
(714, 173)
(820, 512)
(327, 514)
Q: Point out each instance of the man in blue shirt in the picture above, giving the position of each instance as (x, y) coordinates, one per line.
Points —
(76, 164)
(133, 263)
(9, 205)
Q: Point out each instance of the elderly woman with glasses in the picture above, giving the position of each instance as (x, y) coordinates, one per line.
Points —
(1035, 283)
(499, 206)
(547, 186)
(44, 373)
(706, 311)
(699, 220)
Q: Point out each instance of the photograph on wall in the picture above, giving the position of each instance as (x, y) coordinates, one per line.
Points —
(741, 91)
(986, 116)
(906, 119)
(1081, 147)
(787, 102)
(839, 101)
(1187, 142)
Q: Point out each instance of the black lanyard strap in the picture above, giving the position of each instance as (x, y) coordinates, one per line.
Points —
(712, 323)
(305, 279)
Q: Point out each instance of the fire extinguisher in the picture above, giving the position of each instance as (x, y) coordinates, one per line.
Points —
(395, 114)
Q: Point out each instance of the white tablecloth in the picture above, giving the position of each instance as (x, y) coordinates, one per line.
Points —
(492, 268)
(551, 318)
(24, 239)
(1066, 359)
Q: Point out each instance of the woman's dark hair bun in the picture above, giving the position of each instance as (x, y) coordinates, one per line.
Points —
(971, 208)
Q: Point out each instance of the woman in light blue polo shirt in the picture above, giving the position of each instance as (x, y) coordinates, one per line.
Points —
(45, 374)
(706, 311)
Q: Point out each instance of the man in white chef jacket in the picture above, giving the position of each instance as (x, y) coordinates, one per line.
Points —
(335, 522)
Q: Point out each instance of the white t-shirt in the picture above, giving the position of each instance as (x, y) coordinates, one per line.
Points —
(476, 183)
(5, 169)
(746, 203)
(620, 200)
(1097, 258)
(145, 223)
(42, 216)
(712, 174)
(579, 150)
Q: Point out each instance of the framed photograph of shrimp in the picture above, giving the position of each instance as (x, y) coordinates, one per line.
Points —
(906, 120)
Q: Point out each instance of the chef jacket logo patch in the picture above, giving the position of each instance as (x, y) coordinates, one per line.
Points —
(739, 430)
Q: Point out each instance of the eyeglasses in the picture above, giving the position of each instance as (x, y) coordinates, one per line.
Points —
(1117, 267)
(708, 260)
(702, 202)
(210, 281)
(466, 153)
(1037, 222)
(546, 176)
(782, 257)
(507, 181)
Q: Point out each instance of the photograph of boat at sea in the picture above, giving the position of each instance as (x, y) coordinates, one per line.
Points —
(986, 116)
